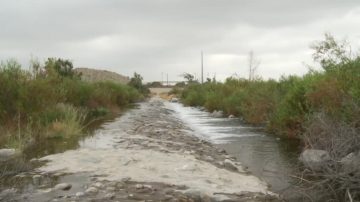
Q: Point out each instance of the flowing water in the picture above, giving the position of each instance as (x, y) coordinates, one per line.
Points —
(266, 156)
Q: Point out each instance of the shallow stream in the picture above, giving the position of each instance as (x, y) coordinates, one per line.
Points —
(266, 156)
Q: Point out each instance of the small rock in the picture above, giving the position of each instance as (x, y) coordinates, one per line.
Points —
(79, 194)
(222, 151)
(36, 179)
(193, 194)
(209, 158)
(6, 154)
(98, 185)
(91, 190)
(110, 196)
(217, 114)
(110, 188)
(230, 165)
(351, 162)
(314, 159)
(125, 179)
(168, 197)
(231, 116)
(63, 186)
(139, 186)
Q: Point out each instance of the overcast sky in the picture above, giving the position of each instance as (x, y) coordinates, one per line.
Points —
(155, 37)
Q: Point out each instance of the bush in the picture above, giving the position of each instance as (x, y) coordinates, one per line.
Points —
(52, 100)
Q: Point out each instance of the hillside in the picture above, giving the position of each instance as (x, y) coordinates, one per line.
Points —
(93, 75)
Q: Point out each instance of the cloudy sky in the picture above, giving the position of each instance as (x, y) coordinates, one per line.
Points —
(159, 37)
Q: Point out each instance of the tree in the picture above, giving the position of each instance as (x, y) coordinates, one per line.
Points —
(61, 67)
(136, 82)
(331, 53)
(189, 77)
(253, 65)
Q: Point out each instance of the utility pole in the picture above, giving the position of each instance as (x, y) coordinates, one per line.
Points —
(202, 67)
(162, 78)
(167, 79)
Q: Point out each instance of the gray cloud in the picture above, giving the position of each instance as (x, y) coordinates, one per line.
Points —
(154, 36)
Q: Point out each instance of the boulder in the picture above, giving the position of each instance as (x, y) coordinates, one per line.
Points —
(314, 159)
(6, 154)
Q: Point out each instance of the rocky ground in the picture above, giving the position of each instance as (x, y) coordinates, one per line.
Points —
(149, 155)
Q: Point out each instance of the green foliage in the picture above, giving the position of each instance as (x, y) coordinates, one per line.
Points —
(286, 105)
(51, 100)
(136, 82)
(60, 67)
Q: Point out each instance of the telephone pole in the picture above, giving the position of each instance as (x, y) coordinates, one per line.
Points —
(167, 79)
(202, 67)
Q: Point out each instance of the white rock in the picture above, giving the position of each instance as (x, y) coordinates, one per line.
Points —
(351, 162)
(217, 114)
(6, 154)
(63, 186)
(139, 186)
(91, 190)
(314, 159)
(110, 188)
(110, 196)
(98, 185)
(79, 194)
(231, 116)
(230, 165)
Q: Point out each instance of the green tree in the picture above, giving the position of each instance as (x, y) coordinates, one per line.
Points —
(136, 82)
(61, 67)
(331, 53)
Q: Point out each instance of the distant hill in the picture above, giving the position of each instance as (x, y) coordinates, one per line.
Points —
(93, 75)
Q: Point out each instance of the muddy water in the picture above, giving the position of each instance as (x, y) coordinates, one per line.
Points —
(266, 156)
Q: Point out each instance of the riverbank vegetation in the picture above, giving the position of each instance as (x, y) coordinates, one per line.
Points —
(321, 108)
(51, 101)
(287, 106)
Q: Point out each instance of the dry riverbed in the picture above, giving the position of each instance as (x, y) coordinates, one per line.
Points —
(148, 155)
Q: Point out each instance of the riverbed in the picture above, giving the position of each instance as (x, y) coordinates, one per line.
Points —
(161, 151)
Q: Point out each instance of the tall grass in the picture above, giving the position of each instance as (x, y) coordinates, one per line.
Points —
(51, 100)
(321, 108)
(284, 106)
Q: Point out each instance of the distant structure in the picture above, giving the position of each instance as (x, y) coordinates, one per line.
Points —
(202, 67)
(94, 75)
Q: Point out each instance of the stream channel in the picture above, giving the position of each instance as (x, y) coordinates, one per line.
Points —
(265, 156)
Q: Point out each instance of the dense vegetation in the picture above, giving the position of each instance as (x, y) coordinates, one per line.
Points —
(322, 108)
(51, 101)
(286, 106)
